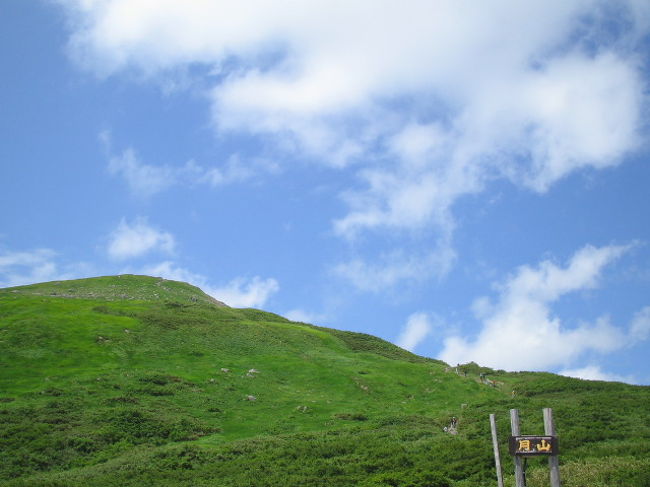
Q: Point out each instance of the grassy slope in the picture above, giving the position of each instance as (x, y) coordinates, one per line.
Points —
(119, 381)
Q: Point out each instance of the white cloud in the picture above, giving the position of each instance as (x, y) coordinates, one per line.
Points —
(394, 268)
(640, 326)
(519, 331)
(40, 265)
(446, 95)
(234, 170)
(238, 293)
(30, 258)
(572, 124)
(594, 372)
(400, 200)
(417, 328)
(146, 180)
(19, 268)
(245, 293)
(137, 239)
(143, 180)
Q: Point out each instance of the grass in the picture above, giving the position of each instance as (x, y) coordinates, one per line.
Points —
(131, 380)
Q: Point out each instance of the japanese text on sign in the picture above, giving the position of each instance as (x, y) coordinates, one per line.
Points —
(533, 445)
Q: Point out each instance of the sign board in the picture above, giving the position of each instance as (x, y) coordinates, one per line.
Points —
(532, 446)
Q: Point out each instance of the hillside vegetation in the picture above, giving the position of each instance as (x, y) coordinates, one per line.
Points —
(133, 380)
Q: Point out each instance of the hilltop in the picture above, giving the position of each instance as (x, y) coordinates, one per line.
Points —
(125, 287)
(135, 380)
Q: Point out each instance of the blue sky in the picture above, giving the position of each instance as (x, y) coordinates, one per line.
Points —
(466, 180)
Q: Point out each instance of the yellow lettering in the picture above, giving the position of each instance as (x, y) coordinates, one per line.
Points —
(544, 446)
(524, 445)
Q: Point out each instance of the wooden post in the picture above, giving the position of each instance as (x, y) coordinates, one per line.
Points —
(553, 460)
(495, 446)
(514, 427)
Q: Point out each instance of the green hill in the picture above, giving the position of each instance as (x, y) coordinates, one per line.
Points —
(134, 380)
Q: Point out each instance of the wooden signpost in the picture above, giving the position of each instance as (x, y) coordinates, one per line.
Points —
(495, 447)
(523, 446)
(553, 461)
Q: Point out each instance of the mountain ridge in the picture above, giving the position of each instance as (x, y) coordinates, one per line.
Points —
(119, 287)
